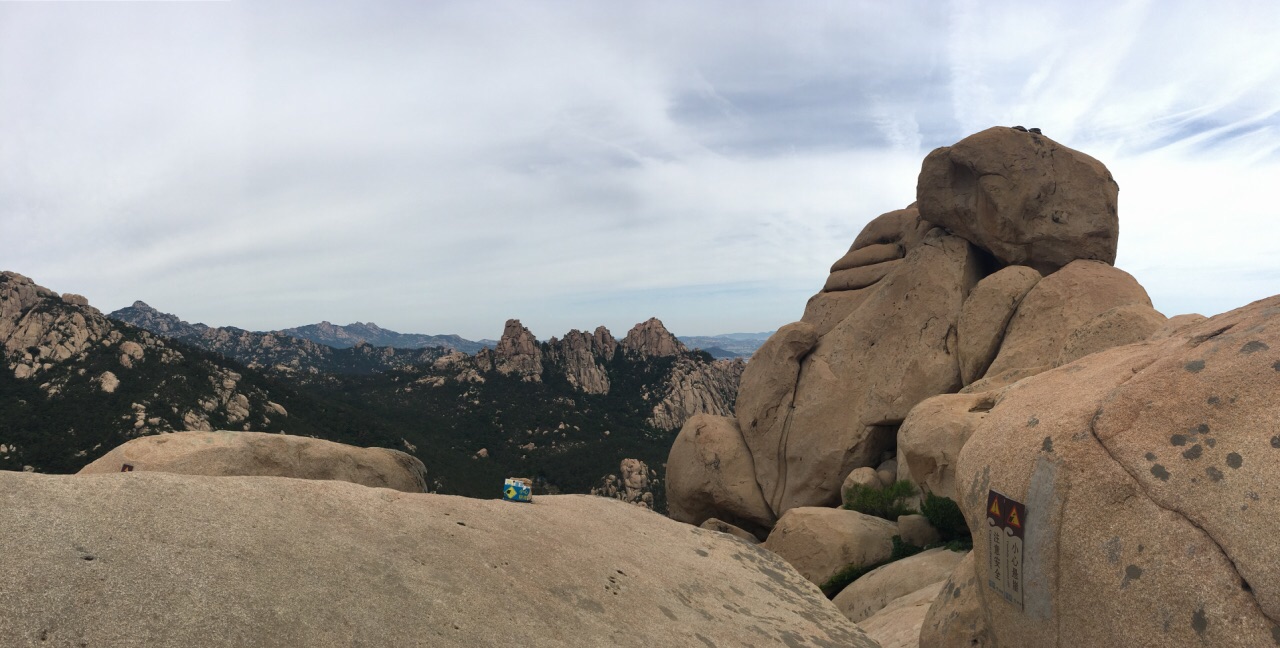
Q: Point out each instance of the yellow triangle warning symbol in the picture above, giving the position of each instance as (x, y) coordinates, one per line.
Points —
(1013, 519)
(995, 508)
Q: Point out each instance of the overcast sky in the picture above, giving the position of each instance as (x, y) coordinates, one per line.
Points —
(439, 167)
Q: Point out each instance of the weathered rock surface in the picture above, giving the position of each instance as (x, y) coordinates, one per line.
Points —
(915, 529)
(721, 526)
(767, 389)
(821, 541)
(956, 617)
(883, 585)
(986, 314)
(224, 453)
(1149, 475)
(898, 625)
(651, 338)
(696, 387)
(1058, 305)
(859, 382)
(518, 353)
(633, 484)
(582, 356)
(1112, 328)
(826, 309)
(153, 559)
(930, 440)
(710, 474)
(1024, 197)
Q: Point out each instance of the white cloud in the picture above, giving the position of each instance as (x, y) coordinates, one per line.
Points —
(439, 167)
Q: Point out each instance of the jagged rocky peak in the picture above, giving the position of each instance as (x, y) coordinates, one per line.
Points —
(581, 354)
(518, 352)
(143, 315)
(651, 338)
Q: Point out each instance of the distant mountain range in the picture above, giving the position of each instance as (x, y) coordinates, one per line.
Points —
(565, 412)
(727, 346)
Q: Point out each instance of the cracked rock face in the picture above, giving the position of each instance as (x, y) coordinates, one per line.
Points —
(518, 353)
(1024, 197)
(1150, 475)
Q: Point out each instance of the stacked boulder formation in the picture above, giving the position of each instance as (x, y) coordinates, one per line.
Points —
(980, 340)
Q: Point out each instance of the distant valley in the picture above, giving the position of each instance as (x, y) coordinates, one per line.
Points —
(566, 411)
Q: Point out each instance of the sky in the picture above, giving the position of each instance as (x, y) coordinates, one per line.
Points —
(440, 167)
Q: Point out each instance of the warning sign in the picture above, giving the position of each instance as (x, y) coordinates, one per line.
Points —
(1006, 521)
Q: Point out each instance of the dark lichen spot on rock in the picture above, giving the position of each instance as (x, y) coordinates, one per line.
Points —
(956, 594)
(1151, 456)
(1254, 347)
(668, 613)
(1203, 428)
(1275, 634)
(1234, 460)
(1195, 366)
(1198, 621)
(707, 642)
(1275, 441)
(701, 553)
(1276, 365)
(1047, 446)
(1178, 439)
(1033, 421)
(1193, 452)
(1160, 472)
(1212, 443)
(1213, 473)
(1214, 400)
(1131, 573)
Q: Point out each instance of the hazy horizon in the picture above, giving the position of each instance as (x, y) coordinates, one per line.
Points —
(442, 167)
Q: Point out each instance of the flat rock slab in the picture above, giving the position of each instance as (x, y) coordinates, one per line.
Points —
(261, 454)
(157, 559)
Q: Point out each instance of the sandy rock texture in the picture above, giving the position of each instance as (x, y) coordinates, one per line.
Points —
(1150, 476)
(155, 559)
(225, 453)
(1022, 196)
(821, 541)
(710, 474)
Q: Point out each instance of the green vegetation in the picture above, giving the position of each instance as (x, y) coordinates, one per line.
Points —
(945, 516)
(888, 502)
(850, 573)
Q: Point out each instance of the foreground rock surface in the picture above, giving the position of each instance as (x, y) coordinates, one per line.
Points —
(883, 585)
(1151, 478)
(221, 454)
(153, 559)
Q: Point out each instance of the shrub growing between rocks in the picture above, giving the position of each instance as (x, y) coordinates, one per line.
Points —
(888, 502)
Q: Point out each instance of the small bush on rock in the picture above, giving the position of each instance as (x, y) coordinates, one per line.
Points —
(945, 516)
(887, 503)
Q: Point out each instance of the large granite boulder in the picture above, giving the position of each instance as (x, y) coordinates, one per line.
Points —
(710, 474)
(768, 384)
(898, 624)
(956, 617)
(930, 440)
(1148, 474)
(1112, 328)
(261, 454)
(1058, 305)
(155, 559)
(986, 314)
(877, 250)
(820, 541)
(883, 585)
(864, 375)
(1023, 197)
